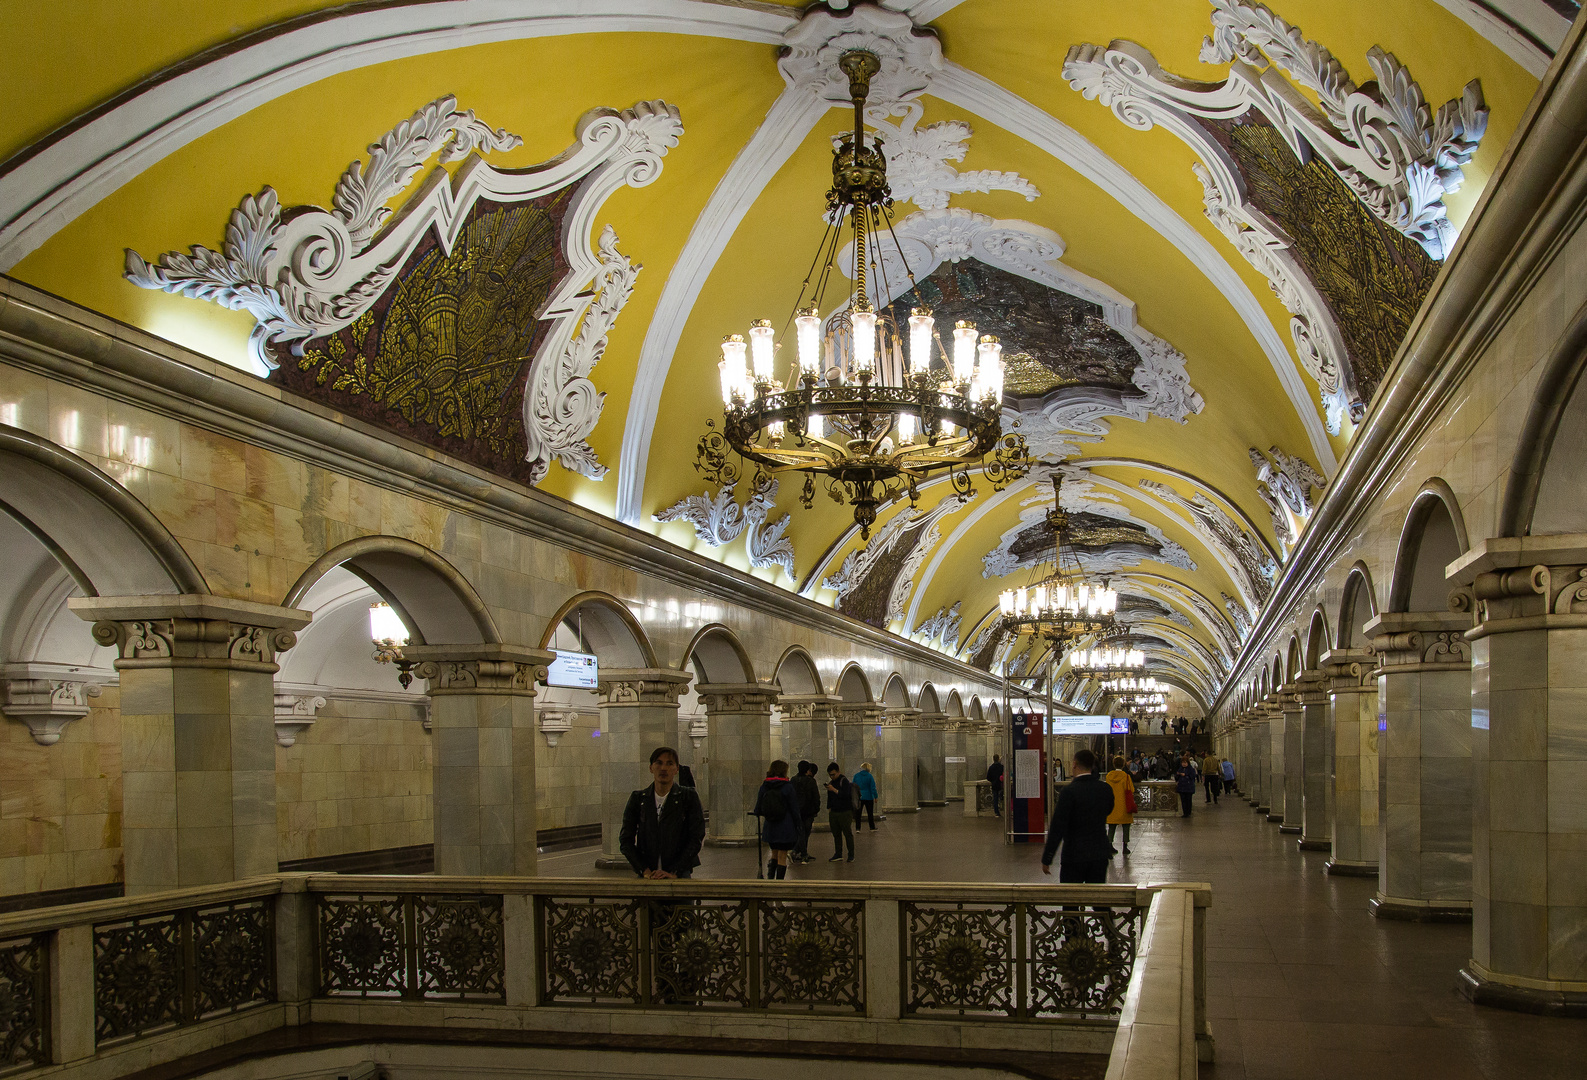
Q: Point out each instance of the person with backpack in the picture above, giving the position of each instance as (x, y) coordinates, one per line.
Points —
(865, 795)
(840, 811)
(777, 806)
(809, 806)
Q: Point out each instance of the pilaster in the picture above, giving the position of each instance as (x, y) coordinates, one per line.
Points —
(198, 733)
(1424, 764)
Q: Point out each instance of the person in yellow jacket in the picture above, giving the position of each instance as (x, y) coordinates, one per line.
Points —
(1120, 782)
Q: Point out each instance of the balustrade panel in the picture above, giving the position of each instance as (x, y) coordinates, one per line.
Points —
(24, 1004)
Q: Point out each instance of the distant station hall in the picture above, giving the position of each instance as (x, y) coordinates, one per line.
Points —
(751, 539)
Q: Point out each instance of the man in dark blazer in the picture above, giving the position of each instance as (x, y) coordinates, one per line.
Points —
(663, 824)
(1080, 825)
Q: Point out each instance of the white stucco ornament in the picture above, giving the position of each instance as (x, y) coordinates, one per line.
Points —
(719, 520)
(910, 56)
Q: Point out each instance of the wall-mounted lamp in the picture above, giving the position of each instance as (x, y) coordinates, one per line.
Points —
(388, 633)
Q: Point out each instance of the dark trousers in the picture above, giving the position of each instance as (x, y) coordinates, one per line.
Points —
(997, 798)
(867, 811)
(841, 830)
(1185, 799)
(803, 846)
(1214, 788)
(1090, 872)
(1112, 831)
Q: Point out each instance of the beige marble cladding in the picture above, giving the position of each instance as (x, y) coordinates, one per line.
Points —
(569, 774)
(359, 779)
(1353, 768)
(60, 805)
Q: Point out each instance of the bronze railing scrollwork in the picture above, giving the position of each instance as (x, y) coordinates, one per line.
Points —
(24, 1004)
(413, 945)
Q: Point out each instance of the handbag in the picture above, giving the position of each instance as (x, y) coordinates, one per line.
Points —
(1129, 799)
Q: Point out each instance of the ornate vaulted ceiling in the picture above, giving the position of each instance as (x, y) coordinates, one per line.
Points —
(1200, 255)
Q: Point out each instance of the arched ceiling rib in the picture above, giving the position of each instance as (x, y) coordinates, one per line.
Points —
(159, 155)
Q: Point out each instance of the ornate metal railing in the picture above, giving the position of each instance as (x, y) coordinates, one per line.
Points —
(160, 971)
(24, 1004)
(434, 946)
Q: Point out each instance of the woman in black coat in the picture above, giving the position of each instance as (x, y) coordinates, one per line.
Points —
(777, 806)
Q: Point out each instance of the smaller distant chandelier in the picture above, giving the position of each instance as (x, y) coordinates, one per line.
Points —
(1133, 684)
(1063, 604)
(870, 420)
(1107, 661)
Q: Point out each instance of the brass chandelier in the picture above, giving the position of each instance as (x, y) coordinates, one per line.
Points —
(870, 421)
(1063, 604)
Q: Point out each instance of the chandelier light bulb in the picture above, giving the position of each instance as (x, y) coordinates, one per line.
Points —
(761, 351)
(908, 425)
(735, 377)
(990, 357)
(1005, 601)
(808, 328)
(385, 626)
(1021, 595)
(864, 324)
(963, 351)
(816, 426)
(920, 324)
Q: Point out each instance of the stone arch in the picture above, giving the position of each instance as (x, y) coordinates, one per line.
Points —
(797, 672)
(976, 712)
(607, 627)
(895, 693)
(104, 538)
(1545, 473)
(852, 685)
(1278, 673)
(928, 700)
(954, 705)
(994, 713)
(1434, 536)
(1293, 664)
(429, 594)
(718, 656)
(1358, 607)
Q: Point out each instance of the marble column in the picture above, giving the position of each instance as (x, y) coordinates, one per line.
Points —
(930, 746)
(977, 755)
(1256, 757)
(482, 728)
(1293, 757)
(1353, 761)
(738, 749)
(1315, 789)
(1529, 757)
(198, 747)
(807, 719)
(900, 762)
(1424, 764)
(1273, 774)
(954, 773)
(639, 712)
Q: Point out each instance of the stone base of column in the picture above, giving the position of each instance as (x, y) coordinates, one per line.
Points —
(898, 810)
(955, 798)
(1537, 996)
(1272, 816)
(729, 841)
(1307, 844)
(933, 802)
(611, 862)
(1293, 830)
(1260, 809)
(1404, 910)
(1340, 868)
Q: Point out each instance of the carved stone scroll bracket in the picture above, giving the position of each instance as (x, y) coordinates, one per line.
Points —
(555, 723)
(738, 699)
(635, 687)
(479, 669)
(699, 730)
(818, 707)
(902, 717)
(190, 630)
(1349, 670)
(1527, 582)
(47, 705)
(1421, 641)
(295, 714)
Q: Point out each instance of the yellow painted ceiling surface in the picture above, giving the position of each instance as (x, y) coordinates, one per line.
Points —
(300, 143)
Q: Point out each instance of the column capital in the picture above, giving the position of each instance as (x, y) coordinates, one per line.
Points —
(1311, 688)
(630, 687)
(1526, 583)
(864, 712)
(1349, 670)
(819, 707)
(190, 630)
(295, 714)
(933, 720)
(737, 697)
(478, 668)
(902, 717)
(1421, 640)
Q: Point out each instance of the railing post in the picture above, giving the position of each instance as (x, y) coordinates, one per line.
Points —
(296, 954)
(883, 962)
(520, 950)
(72, 994)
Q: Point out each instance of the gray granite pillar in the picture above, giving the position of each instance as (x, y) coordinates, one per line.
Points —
(639, 712)
(198, 746)
(930, 748)
(1529, 756)
(482, 728)
(1315, 788)
(955, 758)
(1353, 761)
(1293, 757)
(1273, 774)
(738, 750)
(977, 756)
(900, 762)
(1424, 764)
(807, 718)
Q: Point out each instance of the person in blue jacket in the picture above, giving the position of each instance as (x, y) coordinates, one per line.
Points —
(777, 806)
(866, 783)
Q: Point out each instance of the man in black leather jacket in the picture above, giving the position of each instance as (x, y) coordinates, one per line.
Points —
(663, 824)
(1080, 824)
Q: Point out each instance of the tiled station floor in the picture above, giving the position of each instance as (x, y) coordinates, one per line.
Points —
(1302, 982)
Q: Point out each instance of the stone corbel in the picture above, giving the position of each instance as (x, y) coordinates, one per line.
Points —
(295, 714)
(195, 629)
(555, 723)
(699, 728)
(47, 705)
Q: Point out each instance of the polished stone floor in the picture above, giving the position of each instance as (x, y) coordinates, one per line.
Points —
(1301, 981)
